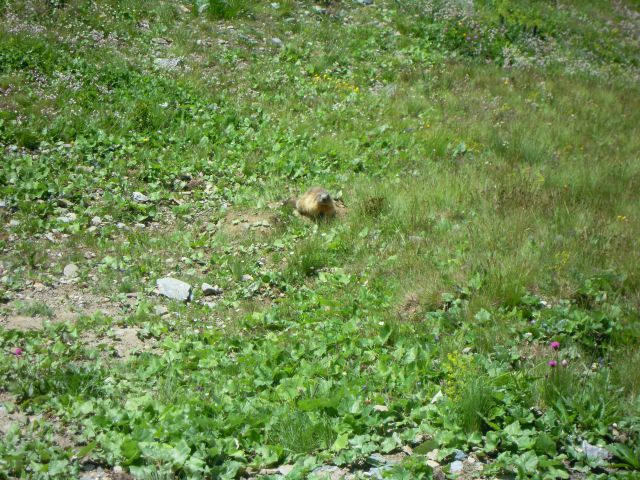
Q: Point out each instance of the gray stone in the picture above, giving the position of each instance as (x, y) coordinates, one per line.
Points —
(70, 270)
(68, 218)
(95, 221)
(168, 63)
(456, 467)
(140, 197)
(174, 289)
(459, 455)
(365, 2)
(277, 42)
(376, 459)
(593, 452)
(329, 472)
(378, 472)
(161, 41)
(285, 469)
(211, 289)
(160, 310)
(246, 278)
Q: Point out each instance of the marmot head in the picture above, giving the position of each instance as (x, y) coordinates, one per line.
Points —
(323, 197)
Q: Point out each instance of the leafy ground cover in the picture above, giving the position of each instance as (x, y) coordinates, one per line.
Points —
(473, 312)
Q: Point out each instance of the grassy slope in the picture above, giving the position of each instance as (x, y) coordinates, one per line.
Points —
(476, 192)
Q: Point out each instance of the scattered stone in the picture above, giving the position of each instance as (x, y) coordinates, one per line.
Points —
(140, 197)
(376, 459)
(246, 278)
(456, 467)
(68, 218)
(433, 463)
(319, 9)
(329, 472)
(96, 221)
(365, 2)
(407, 449)
(174, 289)
(168, 63)
(277, 42)
(459, 455)
(467, 350)
(433, 454)
(211, 289)
(285, 469)
(438, 396)
(71, 270)
(381, 408)
(184, 9)
(593, 452)
(275, 5)
(3, 203)
(14, 223)
(161, 41)
(160, 310)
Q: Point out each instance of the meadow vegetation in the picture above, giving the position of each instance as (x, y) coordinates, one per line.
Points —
(486, 153)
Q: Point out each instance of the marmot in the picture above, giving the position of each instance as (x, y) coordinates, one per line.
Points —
(315, 203)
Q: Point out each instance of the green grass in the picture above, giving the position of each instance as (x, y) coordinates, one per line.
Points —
(487, 157)
(35, 309)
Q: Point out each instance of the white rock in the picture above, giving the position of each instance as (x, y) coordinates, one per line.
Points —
(174, 289)
(168, 63)
(160, 310)
(433, 463)
(594, 452)
(437, 396)
(71, 270)
(246, 278)
(95, 221)
(140, 197)
(68, 218)
(456, 467)
(285, 469)
(381, 408)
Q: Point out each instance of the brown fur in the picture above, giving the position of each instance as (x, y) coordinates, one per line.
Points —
(315, 203)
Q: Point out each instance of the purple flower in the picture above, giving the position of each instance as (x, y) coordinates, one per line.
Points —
(17, 351)
(555, 345)
(552, 363)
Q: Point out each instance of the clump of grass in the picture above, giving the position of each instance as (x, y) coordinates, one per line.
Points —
(223, 9)
(298, 432)
(35, 309)
(476, 401)
(310, 256)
